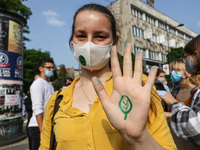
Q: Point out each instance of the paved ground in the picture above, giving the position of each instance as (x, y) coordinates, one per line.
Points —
(22, 145)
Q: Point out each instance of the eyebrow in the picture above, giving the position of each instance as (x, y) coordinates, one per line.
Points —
(96, 32)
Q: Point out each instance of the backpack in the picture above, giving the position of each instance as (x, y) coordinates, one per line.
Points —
(28, 103)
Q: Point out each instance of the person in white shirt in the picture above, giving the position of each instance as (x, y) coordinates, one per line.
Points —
(40, 91)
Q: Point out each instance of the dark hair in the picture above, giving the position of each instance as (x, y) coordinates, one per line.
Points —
(69, 78)
(191, 47)
(44, 61)
(97, 8)
(159, 72)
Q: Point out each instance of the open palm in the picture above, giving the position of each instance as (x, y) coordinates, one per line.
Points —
(128, 107)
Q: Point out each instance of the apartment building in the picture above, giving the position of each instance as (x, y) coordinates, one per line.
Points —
(149, 30)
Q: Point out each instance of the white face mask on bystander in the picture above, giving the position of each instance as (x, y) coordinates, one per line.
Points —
(92, 56)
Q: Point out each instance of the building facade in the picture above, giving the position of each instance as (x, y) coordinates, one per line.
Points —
(149, 30)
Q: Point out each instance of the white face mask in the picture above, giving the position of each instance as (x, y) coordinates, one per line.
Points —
(161, 80)
(92, 56)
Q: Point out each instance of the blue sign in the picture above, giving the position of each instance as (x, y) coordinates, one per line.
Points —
(11, 66)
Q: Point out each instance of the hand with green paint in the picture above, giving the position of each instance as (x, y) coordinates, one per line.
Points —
(128, 107)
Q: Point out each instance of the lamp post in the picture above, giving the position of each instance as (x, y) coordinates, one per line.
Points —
(180, 25)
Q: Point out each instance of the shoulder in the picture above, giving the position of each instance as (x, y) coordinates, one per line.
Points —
(50, 103)
(37, 82)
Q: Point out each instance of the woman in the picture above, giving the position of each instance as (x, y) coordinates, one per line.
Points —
(185, 120)
(185, 85)
(120, 120)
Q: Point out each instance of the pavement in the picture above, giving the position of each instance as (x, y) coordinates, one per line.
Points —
(22, 145)
(18, 143)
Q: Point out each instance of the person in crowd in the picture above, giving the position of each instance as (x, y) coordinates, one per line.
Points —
(40, 92)
(161, 83)
(28, 107)
(185, 120)
(105, 108)
(185, 88)
(68, 81)
(162, 89)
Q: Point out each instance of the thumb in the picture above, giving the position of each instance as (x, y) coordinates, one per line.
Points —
(101, 92)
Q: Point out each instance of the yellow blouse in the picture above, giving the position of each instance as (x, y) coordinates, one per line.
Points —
(75, 130)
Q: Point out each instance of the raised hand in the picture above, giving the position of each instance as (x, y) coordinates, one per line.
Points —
(128, 107)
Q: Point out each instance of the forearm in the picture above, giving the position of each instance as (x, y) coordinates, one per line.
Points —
(146, 141)
(39, 119)
(185, 122)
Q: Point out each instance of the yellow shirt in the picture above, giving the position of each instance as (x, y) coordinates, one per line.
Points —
(75, 130)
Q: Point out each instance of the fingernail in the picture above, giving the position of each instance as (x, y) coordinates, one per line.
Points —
(126, 45)
(154, 68)
(138, 52)
(98, 80)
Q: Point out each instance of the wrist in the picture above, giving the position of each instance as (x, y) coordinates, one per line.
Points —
(145, 141)
(138, 137)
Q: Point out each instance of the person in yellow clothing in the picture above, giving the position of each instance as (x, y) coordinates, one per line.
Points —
(106, 109)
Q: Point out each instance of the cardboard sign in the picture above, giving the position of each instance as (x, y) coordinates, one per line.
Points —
(166, 69)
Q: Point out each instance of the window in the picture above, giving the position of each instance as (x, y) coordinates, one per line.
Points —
(164, 58)
(172, 30)
(154, 38)
(138, 32)
(136, 12)
(181, 35)
(187, 38)
(153, 55)
(162, 25)
(150, 19)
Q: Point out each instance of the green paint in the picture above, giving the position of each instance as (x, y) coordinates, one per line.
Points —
(126, 45)
(125, 105)
(138, 52)
(98, 81)
(82, 60)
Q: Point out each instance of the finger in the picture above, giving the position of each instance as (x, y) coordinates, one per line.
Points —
(101, 92)
(151, 78)
(116, 71)
(138, 67)
(127, 62)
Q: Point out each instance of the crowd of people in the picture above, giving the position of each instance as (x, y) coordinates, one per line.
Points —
(112, 107)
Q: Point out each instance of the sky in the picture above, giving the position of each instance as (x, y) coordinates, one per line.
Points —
(51, 21)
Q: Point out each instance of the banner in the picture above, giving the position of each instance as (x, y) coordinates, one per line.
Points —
(11, 66)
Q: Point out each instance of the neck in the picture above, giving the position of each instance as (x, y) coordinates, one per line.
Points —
(186, 84)
(44, 77)
(102, 74)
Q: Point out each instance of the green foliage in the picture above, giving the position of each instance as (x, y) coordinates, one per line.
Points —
(16, 6)
(60, 81)
(120, 57)
(31, 60)
(175, 54)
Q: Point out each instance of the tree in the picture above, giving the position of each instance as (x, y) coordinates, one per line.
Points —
(31, 61)
(175, 54)
(60, 81)
(16, 6)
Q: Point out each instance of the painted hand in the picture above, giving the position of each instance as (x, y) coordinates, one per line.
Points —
(128, 107)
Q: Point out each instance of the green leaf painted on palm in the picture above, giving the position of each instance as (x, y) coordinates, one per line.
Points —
(125, 105)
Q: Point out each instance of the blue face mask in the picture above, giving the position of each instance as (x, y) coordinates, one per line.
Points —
(176, 77)
(48, 73)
